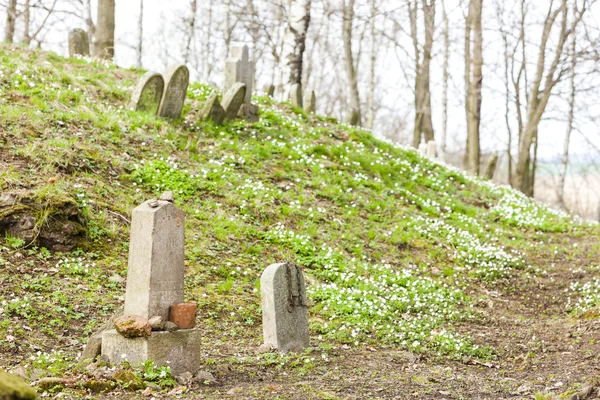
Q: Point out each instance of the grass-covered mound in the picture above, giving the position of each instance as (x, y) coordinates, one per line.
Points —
(396, 248)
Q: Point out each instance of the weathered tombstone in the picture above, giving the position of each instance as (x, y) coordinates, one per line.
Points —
(270, 90)
(431, 149)
(296, 95)
(233, 100)
(79, 43)
(490, 169)
(155, 284)
(239, 69)
(177, 80)
(284, 308)
(148, 93)
(310, 102)
(212, 110)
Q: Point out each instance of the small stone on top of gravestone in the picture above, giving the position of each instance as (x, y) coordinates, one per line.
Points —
(213, 110)
(296, 95)
(233, 100)
(284, 308)
(79, 43)
(148, 93)
(177, 80)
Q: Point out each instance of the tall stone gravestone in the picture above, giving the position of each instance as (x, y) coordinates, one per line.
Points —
(284, 308)
(79, 43)
(240, 69)
(148, 93)
(154, 284)
(177, 80)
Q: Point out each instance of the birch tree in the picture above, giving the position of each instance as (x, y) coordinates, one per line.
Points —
(294, 43)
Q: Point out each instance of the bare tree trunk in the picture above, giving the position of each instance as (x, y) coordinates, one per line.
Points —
(294, 43)
(140, 42)
(565, 157)
(191, 25)
(11, 17)
(207, 65)
(371, 97)
(27, 23)
(423, 123)
(105, 30)
(473, 83)
(87, 16)
(540, 95)
(228, 29)
(354, 118)
(445, 78)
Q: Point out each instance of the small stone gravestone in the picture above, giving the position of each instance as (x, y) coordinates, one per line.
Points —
(422, 148)
(154, 285)
(79, 43)
(212, 110)
(284, 308)
(148, 93)
(310, 102)
(270, 90)
(431, 149)
(233, 100)
(177, 80)
(296, 95)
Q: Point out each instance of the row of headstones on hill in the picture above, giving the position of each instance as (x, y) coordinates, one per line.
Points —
(306, 101)
(156, 323)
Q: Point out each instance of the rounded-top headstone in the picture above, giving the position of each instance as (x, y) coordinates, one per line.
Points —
(233, 100)
(177, 80)
(284, 307)
(79, 43)
(148, 93)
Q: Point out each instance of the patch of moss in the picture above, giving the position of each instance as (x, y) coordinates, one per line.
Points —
(14, 388)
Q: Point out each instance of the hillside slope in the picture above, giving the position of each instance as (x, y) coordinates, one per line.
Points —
(404, 257)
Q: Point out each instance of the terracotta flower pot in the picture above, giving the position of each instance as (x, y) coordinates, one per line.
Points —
(183, 315)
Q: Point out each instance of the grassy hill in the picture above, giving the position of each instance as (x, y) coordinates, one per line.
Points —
(404, 257)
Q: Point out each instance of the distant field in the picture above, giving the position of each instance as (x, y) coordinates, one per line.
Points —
(582, 193)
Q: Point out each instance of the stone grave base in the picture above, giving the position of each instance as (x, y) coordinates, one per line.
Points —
(179, 349)
(249, 112)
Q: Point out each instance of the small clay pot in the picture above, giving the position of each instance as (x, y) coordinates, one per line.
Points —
(184, 315)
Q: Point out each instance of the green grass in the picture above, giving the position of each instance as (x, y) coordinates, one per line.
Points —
(391, 243)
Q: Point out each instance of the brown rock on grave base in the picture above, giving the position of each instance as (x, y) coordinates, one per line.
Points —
(184, 315)
(132, 326)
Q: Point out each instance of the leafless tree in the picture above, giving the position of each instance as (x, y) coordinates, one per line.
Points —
(355, 115)
(105, 30)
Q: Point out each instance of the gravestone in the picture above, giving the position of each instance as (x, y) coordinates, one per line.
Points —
(79, 43)
(310, 102)
(240, 69)
(177, 80)
(431, 149)
(270, 90)
(233, 100)
(284, 308)
(212, 110)
(148, 93)
(422, 148)
(296, 95)
(154, 284)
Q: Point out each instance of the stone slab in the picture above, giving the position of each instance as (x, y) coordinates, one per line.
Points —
(181, 350)
(79, 43)
(148, 93)
(177, 80)
(155, 275)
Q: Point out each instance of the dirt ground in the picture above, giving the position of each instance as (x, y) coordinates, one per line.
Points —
(543, 353)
